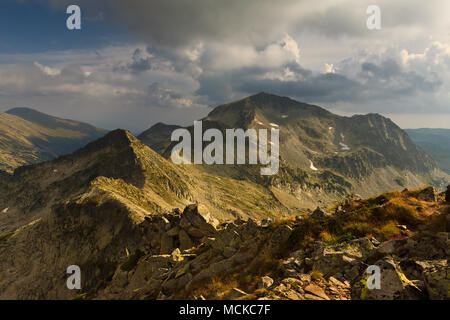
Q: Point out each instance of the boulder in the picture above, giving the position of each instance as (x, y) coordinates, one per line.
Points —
(318, 213)
(191, 217)
(166, 244)
(436, 275)
(388, 247)
(317, 291)
(173, 232)
(279, 237)
(344, 261)
(176, 256)
(204, 212)
(394, 285)
(428, 194)
(265, 282)
(185, 240)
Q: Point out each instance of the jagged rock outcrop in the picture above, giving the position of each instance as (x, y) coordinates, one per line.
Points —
(428, 194)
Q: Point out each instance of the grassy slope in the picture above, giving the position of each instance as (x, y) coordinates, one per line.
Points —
(27, 136)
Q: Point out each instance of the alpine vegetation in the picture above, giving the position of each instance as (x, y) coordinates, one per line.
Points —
(236, 143)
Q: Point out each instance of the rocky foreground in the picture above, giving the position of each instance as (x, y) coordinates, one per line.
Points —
(317, 256)
(126, 253)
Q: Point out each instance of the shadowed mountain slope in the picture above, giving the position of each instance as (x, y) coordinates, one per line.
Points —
(436, 142)
(28, 136)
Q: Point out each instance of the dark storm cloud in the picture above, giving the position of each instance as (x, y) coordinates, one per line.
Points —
(320, 88)
(191, 54)
(379, 82)
(139, 62)
(395, 81)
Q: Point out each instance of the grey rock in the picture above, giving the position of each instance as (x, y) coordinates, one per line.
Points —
(265, 282)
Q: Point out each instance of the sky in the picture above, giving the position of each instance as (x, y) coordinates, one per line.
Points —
(138, 62)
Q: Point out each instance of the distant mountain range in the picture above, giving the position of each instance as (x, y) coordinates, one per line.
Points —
(28, 136)
(435, 142)
(323, 156)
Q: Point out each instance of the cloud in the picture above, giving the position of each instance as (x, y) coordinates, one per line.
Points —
(90, 87)
(195, 54)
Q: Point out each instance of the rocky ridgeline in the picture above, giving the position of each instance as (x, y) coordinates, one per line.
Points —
(190, 255)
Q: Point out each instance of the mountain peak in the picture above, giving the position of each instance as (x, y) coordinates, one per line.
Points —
(52, 122)
(21, 110)
(264, 105)
(31, 115)
(118, 138)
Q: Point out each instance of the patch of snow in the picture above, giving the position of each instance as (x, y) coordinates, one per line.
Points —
(284, 116)
(344, 146)
(342, 136)
(55, 170)
(258, 122)
(273, 125)
(5, 210)
(312, 166)
(330, 128)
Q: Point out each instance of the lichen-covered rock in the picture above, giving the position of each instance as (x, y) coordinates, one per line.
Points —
(394, 285)
(436, 275)
(343, 261)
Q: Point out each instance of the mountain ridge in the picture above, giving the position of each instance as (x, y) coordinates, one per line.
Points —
(317, 145)
(28, 136)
